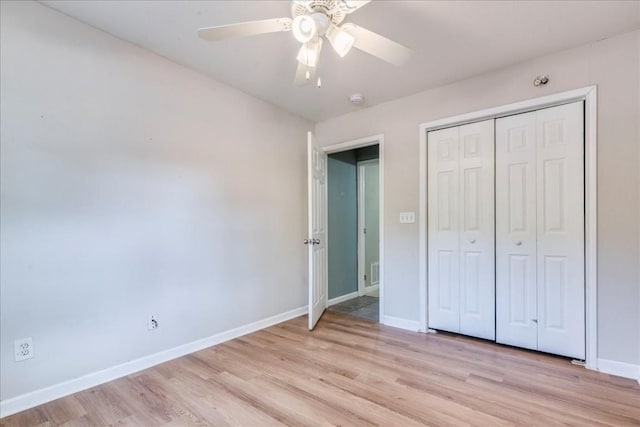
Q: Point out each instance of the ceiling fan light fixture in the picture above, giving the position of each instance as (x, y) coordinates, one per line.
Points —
(341, 41)
(311, 21)
(309, 53)
(304, 28)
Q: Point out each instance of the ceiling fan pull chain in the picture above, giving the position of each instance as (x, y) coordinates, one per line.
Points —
(318, 41)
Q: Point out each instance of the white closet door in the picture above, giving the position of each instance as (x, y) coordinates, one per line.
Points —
(477, 236)
(443, 229)
(560, 236)
(516, 308)
(540, 230)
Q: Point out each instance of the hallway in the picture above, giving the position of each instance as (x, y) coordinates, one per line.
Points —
(366, 306)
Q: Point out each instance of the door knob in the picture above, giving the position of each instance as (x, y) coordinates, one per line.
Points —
(307, 241)
(315, 241)
(472, 241)
(519, 243)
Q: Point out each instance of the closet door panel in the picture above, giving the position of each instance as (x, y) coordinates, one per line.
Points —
(477, 234)
(515, 193)
(443, 229)
(560, 230)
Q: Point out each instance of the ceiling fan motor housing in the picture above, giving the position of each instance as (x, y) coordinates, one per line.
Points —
(324, 12)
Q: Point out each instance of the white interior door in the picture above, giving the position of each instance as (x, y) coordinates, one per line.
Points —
(461, 267)
(477, 234)
(443, 229)
(317, 223)
(560, 236)
(516, 298)
(540, 230)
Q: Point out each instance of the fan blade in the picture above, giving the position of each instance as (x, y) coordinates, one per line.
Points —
(377, 45)
(348, 6)
(301, 74)
(245, 29)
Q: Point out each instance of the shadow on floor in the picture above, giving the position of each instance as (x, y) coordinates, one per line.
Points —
(367, 307)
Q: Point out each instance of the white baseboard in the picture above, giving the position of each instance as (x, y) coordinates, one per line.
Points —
(47, 394)
(397, 322)
(343, 298)
(620, 369)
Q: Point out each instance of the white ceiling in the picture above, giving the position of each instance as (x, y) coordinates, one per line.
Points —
(453, 40)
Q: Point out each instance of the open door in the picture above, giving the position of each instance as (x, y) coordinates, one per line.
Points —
(317, 220)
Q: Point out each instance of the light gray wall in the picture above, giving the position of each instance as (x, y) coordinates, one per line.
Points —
(342, 219)
(131, 186)
(613, 65)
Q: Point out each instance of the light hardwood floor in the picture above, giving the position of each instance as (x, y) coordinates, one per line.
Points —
(351, 371)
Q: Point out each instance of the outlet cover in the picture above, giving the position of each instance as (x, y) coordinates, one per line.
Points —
(407, 217)
(23, 349)
(152, 323)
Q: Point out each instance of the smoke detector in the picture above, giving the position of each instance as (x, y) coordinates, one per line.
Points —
(356, 99)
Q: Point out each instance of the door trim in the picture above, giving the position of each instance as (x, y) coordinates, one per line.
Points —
(589, 96)
(360, 143)
(361, 222)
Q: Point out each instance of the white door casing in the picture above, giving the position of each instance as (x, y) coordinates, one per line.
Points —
(461, 229)
(368, 225)
(516, 296)
(560, 235)
(317, 229)
(477, 236)
(540, 230)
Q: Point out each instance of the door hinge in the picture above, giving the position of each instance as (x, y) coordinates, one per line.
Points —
(365, 277)
(364, 231)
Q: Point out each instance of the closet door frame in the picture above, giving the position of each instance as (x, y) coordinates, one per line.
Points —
(589, 96)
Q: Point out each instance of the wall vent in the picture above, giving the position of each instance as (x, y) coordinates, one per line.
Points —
(375, 273)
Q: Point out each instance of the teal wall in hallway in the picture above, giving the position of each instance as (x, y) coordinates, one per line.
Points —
(342, 200)
(343, 223)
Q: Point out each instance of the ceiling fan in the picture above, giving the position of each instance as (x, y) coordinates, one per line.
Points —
(311, 22)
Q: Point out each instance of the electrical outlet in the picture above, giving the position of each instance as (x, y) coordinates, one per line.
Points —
(23, 349)
(152, 323)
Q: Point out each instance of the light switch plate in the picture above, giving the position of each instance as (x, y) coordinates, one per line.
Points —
(407, 217)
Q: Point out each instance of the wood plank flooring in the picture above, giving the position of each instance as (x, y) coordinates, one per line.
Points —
(351, 372)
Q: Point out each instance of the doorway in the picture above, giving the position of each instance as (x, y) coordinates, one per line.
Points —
(353, 204)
